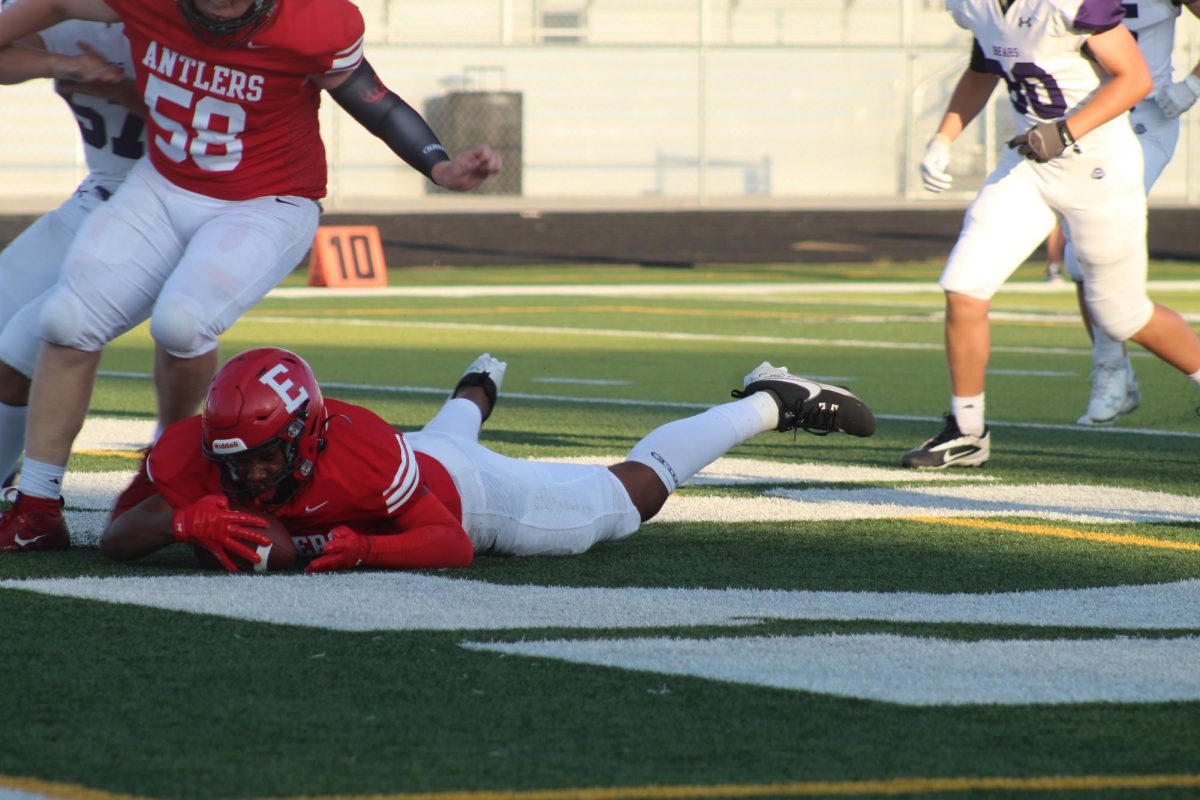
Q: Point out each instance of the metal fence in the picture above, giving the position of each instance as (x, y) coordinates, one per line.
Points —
(641, 103)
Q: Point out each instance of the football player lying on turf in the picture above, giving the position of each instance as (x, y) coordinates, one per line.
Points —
(353, 491)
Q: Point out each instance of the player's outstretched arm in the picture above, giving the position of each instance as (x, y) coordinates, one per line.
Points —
(427, 536)
(970, 95)
(30, 16)
(28, 59)
(400, 127)
(140, 531)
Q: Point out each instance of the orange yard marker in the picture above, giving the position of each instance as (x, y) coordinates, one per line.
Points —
(347, 255)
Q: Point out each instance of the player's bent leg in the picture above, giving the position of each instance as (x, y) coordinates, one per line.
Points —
(460, 417)
(181, 383)
(676, 451)
(968, 343)
(14, 408)
(486, 373)
(1169, 337)
(646, 489)
(516, 507)
(472, 400)
(58, 401)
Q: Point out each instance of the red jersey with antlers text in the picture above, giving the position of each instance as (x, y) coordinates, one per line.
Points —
(240, 122)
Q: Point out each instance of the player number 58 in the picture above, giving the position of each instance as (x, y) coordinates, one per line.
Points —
(211, 150)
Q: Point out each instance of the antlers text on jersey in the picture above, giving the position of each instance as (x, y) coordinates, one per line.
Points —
(201, 75)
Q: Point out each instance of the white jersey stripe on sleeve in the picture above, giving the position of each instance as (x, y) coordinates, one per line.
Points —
(408, 478)
(348, 58)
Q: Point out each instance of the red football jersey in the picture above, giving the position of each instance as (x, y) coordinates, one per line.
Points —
(240, 122)
(365, 477)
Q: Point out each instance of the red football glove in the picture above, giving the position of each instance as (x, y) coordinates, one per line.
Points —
(345, 549)
(209, 523)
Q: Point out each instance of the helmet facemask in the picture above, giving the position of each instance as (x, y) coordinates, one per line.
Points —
(227, 32)
(277, 487)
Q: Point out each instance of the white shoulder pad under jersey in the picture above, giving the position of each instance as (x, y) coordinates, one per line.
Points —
(113, 138)
(1036, 46)
(1153, 24)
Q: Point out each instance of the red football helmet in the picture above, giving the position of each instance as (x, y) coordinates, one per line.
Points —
(227, 32)
(263, 421)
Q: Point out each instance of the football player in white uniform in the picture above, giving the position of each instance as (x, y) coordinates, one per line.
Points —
(91, 66)
(1155, 120)
(1072, 72)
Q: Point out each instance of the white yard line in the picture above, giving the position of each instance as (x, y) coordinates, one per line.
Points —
(633, 402)
(685, 289)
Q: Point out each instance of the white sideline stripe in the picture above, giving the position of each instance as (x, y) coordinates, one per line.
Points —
(684, 289)
(618, 401)
(907, 670)
(582, 381)
(400, 601)
(1063, 502)
(551, 330)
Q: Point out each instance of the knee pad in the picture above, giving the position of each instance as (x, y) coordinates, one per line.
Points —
(62, 321)
(1122, 321)
(177, 328)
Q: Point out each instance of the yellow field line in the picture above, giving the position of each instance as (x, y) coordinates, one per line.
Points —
(130, 454)
(1062, 533)
(68, 791)
(893, 786)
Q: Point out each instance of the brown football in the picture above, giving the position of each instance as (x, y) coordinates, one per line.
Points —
(280, 554)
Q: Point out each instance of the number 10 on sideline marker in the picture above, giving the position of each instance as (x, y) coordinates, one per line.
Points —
(347, 255)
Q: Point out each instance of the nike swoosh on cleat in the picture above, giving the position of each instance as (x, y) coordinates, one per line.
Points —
(26, 542)
(965, 450)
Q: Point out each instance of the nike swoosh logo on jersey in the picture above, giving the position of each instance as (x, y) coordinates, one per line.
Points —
(311, 509)
(26, 542)
(254, 46)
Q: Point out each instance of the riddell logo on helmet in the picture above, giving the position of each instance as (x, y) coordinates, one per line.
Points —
(234, 445)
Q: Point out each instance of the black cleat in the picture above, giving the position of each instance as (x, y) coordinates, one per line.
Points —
(818, 408)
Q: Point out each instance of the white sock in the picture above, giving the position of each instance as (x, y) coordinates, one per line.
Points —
(458, 416)
(12, 437)
(41, 480)
(1195, 376)
(158, 429)
(968, 412)
(1105, 349)
(678, 450)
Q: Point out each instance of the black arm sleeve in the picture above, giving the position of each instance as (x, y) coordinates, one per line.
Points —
(383, 113)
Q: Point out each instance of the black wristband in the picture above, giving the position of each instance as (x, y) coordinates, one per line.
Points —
(383, 113)
(1064, 133)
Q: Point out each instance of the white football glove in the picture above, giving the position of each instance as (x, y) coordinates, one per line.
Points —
(1176, 98)
(935, 164)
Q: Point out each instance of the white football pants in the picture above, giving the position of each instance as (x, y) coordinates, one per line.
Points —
(191, 264)
(523, 508)
(1098, 192)
(31, 265)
